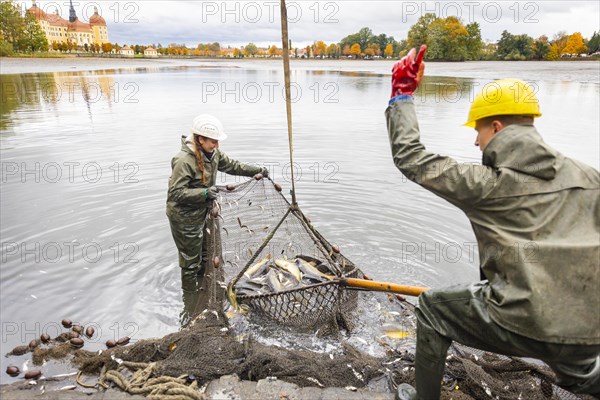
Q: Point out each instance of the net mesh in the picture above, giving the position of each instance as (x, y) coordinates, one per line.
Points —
(249, 221)
(256, 222)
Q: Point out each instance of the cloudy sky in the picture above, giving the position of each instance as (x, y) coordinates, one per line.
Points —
(236, 23)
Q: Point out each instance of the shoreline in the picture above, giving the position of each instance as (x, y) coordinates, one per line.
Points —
(72, 63)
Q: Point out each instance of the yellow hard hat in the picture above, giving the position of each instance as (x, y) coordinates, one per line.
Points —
(504, 97)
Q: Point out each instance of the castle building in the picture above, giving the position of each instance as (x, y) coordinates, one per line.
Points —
(60, 30)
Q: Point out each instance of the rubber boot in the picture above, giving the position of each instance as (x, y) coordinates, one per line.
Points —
(191, 292)
(405, 392)
(430, 355)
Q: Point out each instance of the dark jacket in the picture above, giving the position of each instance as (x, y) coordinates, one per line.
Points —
(536, 216)
(185, 199)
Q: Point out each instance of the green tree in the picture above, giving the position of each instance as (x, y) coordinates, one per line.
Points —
(418, 34)
(541, 47)
(594, 43)
(515, 47)
(333, 51)
(214, 49)
(474, 43)
(363, 37)
(250, 50)
(12, 24)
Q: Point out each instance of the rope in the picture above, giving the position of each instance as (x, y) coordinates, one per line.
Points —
(161, 388)
(288, 96)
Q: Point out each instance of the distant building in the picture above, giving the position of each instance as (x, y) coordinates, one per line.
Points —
(150, 52)
(60, 30)
(126, 51)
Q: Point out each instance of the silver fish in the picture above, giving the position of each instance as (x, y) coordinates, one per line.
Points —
(256, 267)
(310, 271)
(290, 267)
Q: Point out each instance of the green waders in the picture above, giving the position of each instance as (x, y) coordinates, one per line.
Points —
(459, 313)
(189, 239)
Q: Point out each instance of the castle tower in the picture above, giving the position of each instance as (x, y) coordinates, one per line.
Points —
(72, 15)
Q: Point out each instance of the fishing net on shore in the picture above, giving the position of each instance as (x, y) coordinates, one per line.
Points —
(249, 222)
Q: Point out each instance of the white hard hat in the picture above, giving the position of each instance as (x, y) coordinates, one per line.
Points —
(208, 126)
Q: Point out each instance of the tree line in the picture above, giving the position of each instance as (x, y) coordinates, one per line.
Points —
(448, 39)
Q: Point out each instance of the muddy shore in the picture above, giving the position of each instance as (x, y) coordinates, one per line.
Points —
(226, 388)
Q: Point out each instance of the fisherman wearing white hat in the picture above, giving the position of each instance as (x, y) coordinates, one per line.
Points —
(191, 191)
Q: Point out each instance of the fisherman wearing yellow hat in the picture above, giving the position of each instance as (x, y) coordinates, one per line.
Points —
(539, 294)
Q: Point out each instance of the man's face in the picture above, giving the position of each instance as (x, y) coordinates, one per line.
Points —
(209, 145)
(486, 132)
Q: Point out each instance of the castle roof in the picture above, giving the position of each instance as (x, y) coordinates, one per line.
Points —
(78, 26)
(97, 19)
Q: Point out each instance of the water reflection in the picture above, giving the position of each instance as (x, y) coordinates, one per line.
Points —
(48, 90)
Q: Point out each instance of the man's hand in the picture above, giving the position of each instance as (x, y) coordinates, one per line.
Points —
(211, 193)
(408, 72)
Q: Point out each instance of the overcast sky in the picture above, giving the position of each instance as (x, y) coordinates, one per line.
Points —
(236, 23)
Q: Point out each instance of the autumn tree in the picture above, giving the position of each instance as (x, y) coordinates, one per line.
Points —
(558, 43)
(319, 48)
(446, 38)
(272, 51)
(346, 50)
(355, 50)
(389, 50)
(107, 47)
(575, 44)
(236, 53)
(333, 51)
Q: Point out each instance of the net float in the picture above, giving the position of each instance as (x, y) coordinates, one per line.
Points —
(67, 323)
(258, 177)
(45, 338)
(33, 374)
(277, 187)
(335, 249)
(77, 328)
(214, 212)
(13, 370)
(89, 331)
(110, 343)
(73, 335)
(123, 341)
(76, 342)
(33, 344)
(216, 261)
(230, 187)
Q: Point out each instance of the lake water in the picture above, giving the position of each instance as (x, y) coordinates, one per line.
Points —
(86, 158)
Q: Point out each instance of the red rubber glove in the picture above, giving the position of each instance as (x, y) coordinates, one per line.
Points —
(408, 72)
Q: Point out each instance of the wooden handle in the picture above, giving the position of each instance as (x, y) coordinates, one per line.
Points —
(384, 286)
